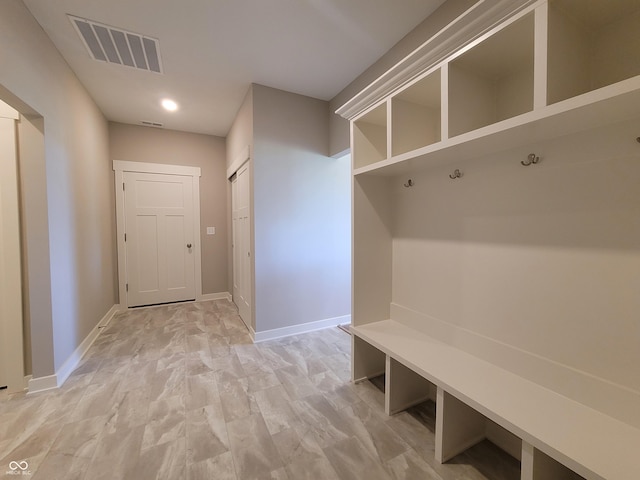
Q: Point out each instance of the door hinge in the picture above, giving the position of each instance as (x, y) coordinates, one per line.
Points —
(123, 186)
(125, 237)
(127, 287)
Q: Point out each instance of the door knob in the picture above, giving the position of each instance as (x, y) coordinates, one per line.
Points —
(188, 245)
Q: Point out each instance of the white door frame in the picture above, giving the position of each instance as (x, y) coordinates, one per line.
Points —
(121, 166)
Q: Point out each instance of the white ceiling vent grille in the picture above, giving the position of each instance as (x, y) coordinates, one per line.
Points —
(113, 45)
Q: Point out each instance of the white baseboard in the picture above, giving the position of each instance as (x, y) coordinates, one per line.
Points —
(207, 297)
(49, 382)
(298, 329)
(27, 379)
(42, 384)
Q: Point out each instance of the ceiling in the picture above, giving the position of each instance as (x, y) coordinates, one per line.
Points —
(212, 50)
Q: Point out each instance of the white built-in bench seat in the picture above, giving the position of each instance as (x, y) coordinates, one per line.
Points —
(554, 429)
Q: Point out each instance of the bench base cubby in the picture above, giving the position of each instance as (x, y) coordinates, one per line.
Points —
(460, 427)
(366, 360)
(402, 386)
(537, 465)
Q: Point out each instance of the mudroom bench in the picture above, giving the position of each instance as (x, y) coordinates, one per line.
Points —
(560, 438)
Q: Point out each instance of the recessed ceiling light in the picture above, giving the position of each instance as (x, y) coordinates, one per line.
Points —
(169, 105)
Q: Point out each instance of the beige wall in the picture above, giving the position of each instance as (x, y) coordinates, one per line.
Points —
(301, 214)
(79, 279)
(300, 199)
(338, 126)
(241, 133)
(144, 144)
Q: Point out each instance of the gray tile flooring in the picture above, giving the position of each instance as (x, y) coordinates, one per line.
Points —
(180, 392)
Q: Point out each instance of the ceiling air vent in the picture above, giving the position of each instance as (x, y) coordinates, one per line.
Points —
(151, 124)
(113, 45)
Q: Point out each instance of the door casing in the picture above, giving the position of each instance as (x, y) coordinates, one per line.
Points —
(122, 166)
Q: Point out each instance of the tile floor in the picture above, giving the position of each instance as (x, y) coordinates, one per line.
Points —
(180, 392)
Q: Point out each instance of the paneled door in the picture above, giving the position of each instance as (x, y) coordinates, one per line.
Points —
(241, 244)
(159, 243)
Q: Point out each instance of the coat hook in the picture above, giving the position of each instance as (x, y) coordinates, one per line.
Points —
(409, 183)
(456, 174)
(531, 158)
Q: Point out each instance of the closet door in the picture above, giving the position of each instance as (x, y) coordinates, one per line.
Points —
(242, 243)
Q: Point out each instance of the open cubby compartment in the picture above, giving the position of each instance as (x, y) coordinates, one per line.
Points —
(459, 427)
(536, 465)
(366, 360)
(591, 44)
(416, 115)
(405, 388)
(370, 137)
(493, 80)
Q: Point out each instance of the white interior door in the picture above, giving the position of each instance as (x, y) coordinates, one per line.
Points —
(242, 243)
(159, 234)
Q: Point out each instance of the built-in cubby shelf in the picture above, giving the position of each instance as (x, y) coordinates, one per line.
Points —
(492, 81)
(553, 69)
(416, 115)
(591, 44)
(370, 137)
(604, 106)
(483, 293)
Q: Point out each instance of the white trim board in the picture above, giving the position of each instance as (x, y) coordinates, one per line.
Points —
(143, 167)
(298, 329)
(207, 297)
(40, 384)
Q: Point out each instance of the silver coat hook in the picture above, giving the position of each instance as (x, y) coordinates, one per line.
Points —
(456, 174)
(532, 158)
(409, 183)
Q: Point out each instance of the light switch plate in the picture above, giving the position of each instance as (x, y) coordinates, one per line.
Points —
(211, 230)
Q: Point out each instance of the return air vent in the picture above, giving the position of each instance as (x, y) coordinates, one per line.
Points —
(113, 45)
(151, 124)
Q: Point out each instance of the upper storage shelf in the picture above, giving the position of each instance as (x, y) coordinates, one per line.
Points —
(416, 115)
(494, 80)
(370, 137)
(549, 69)
(592, 44)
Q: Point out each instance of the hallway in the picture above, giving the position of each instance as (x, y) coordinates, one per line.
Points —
(180, 391)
